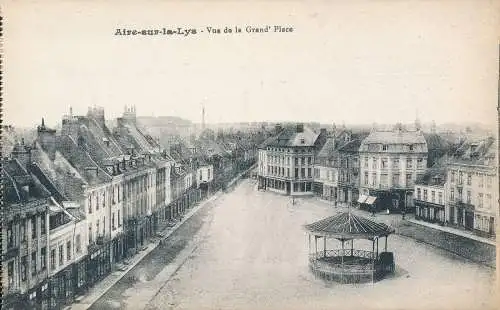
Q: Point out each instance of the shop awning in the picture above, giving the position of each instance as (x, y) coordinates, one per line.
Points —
(362, 198)
(370, 200)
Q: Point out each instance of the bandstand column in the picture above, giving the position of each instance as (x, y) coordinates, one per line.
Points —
(315, 244)
(324, 246)
(377, 247)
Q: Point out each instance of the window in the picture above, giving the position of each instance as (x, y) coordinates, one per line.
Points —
(296, 161)
(68, 250)
(374, 163)
(488, 201)
(10, 235)
(96, 201)
(481, 180)
(480, 200)
(33, 228)
(24, 267)
(440, 198)
(488, 182)
(410, 147)
(104, 226)
(97, 228)
(43, 258)
(10, 273)
(452, 178)
(384, 162)
(78, 244)
(23, 231)
(469, 179)
(420, 163)
(296, 173)
(201, 176)
(302, 172)
(309, 174)
(425, 195)
(90, 204)
(366, 162)
(366, 178)
(468, 197)
(61, 255)
(460, 177)
(419, 194)
(459, 194)
(433, 196)
(33, 263)
(374, 179)
(408, 180)
(309, 160)
(90, 233)
(452, 194)
(119, 223)
(409, 163)
(53, 259)
(384, 147)
(42, 225)
(113, 227)
(303, 160)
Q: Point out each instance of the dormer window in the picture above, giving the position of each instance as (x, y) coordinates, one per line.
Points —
(410, 147)
(384, 147)
(302, 141)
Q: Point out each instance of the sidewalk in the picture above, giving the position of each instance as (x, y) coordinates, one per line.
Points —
(454, 231)
(98, 290)
(395, 220)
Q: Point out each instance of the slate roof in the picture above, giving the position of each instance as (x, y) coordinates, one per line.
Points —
(435, 176)
(477, 153)
(14, 178)
(351, 146)
(395, 137)
(81, 161)
(289, 137)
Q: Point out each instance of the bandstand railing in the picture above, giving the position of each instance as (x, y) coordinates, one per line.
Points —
(344, 252)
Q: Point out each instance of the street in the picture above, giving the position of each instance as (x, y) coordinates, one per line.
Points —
(247, 250)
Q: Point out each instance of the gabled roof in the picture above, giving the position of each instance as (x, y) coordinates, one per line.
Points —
(350, 146)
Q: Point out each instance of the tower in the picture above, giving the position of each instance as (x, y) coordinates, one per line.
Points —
(202, 116)
(417, 121)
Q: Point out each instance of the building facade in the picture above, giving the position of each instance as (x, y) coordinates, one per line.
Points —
(286, 161)
(472, 189)
(390, 163)
(430, 197)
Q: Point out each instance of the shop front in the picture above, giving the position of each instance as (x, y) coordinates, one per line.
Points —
(61, 288)
(98, 263)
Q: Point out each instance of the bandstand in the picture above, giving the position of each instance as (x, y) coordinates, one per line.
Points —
(349, 265)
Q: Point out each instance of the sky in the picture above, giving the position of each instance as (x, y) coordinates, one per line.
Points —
(354, 62)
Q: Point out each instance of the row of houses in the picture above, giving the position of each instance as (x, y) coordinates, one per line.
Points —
(396, 170)
(79, 202)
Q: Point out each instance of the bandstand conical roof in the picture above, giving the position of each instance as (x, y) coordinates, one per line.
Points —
(347, 225)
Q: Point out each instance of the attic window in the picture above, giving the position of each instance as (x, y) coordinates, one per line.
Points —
(411, 147)
(384, 147)
(302, 141)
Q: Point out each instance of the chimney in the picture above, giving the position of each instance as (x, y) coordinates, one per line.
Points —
(300, 128)
(277, 128)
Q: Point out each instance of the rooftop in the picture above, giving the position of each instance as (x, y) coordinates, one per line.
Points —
(346, 226)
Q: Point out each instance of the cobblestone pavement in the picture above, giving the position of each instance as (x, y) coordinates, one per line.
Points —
(248, 251)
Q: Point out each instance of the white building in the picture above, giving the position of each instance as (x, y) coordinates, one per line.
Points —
(472, 188)
(390, 163)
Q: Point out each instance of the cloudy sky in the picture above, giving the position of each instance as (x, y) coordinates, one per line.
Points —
(357, 62)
